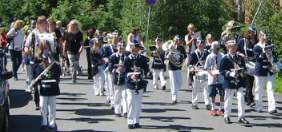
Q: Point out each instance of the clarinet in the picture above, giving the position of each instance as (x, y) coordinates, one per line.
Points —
(119, 72)
(136, 69)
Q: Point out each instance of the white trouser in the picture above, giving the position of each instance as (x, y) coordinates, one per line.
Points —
(98, 81)
(29, 74)
(158, 73)
(119, 97)
(260, 83)
(175, 79)
(124, 103)
(197, 85)
(74, 63)
(229, 93)
(109, 87)
(134, 106)
(48, 110)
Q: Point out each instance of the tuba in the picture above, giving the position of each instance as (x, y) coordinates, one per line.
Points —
(268, 50)
(173, 56)
(156, 52)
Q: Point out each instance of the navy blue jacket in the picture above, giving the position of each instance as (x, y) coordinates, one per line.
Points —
(158, 62)
(119, 79)
(183, 55)
(108, 50)
(141, 62)
(97, 57)
(249, 48)
(262, 67)
(195, 58)
(225, 67)
(49, 85)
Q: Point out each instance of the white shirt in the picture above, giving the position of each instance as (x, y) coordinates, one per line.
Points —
(193, 46)
(40, 37)
(212, 63)
(18, 39)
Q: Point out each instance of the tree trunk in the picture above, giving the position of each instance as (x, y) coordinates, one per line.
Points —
(240, 11)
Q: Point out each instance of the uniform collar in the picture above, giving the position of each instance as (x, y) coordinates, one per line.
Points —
(261, 45)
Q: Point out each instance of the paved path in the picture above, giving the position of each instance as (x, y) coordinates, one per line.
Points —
(78, 110)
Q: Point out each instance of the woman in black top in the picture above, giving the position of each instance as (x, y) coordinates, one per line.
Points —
(73, 46)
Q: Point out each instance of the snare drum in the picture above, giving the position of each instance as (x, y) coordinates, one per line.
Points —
(201, 75)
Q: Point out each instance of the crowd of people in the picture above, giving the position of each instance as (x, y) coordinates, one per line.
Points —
(120, 68)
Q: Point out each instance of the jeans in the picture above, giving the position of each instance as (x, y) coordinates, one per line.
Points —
(16, 58)
(74, 62)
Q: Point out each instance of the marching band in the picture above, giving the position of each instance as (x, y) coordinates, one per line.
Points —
(120, 69)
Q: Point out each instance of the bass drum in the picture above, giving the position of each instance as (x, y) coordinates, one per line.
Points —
(250, 67)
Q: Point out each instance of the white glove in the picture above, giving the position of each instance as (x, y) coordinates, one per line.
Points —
(232, 74)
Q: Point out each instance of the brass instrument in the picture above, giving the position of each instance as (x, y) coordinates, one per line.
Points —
(268, 51)
(156, 52)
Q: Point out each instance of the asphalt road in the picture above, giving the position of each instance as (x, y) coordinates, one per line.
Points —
(78, 110)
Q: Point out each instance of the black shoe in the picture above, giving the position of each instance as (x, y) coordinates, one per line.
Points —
(208, 107)
(137, 125)
(227, 120)
(273, 112)
(195, 107)
(243, 121)
(43, 128)
(130, 126)
(174, 102)
(125, 115)
(118, 115)
(163, 87)
(37, 107)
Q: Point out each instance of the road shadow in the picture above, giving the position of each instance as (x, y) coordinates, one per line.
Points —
(166, 118)
(86, 104)
(77, 83)
(25, 123)
(179, 128)
(157, 103)
(94, 112)
(72, 94)
(71, 98)
(279, 102)
(87, 130)
(264, 117)
(146, 110)
(268, 125)
(19, 98)
(89, 112)
(86, 119)
(186, 90)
